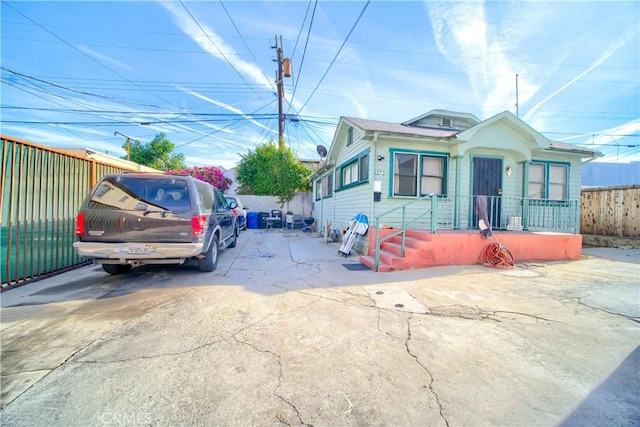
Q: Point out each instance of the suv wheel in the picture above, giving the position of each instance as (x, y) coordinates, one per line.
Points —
(116, 268)
(234, 239)
(210, 260)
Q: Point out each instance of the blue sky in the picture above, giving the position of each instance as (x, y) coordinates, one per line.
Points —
(73, 73)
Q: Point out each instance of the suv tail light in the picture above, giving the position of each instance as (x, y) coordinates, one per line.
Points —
(198, 224)
(80, 225)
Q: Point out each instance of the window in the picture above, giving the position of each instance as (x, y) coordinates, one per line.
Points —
(349, 136)
(548, 181)
(324, 187)
(558, 182)
(445, 122)
(404, 175)
(431, 173)
(536, 181)
(355, 172)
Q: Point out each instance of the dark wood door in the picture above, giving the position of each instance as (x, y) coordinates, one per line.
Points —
(487, 181)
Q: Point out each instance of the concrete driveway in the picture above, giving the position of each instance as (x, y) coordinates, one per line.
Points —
(283, 333)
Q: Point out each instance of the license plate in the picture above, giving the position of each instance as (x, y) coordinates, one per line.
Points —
(139, 249)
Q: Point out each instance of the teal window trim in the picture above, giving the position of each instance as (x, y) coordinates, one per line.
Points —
(349, 136)
(319, 184)
(420, 153)
(547, 167)
(361, 179)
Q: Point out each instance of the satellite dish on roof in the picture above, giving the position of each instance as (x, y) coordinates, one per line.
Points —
(322, 151)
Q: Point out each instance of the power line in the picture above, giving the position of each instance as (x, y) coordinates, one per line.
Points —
(218, 49)
(304, 52)
(245, 43)
(336, 57)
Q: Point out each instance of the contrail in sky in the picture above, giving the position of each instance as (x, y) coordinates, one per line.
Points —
(597, 63)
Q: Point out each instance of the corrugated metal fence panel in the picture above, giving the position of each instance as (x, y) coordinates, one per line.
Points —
(41, 191)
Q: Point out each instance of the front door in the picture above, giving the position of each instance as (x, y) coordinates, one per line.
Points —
(487, 181)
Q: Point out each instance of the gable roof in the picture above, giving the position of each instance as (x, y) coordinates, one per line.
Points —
(512, 122)
(444, 113)
(400, 128)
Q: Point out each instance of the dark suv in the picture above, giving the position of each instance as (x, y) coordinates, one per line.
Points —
(131, 219)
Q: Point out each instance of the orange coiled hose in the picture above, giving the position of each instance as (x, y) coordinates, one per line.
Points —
(495, 255)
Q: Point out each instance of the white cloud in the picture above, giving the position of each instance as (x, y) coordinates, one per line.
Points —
(102, 57)
(212, 43)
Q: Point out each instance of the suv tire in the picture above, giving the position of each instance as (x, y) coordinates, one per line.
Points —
(116, 268)
(210, 261)
(234, 239)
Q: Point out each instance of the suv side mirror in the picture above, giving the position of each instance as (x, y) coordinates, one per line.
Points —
(233, 205)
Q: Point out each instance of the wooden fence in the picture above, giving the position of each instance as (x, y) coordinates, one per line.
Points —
(611, 211)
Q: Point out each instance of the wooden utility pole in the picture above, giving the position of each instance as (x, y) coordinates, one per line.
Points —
(280, 82)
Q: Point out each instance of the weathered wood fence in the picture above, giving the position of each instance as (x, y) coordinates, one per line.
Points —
(611, 211)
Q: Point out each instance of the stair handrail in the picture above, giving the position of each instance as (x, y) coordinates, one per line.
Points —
(404, 225)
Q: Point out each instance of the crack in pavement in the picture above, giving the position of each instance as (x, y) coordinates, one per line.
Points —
(633, 319)
(415, 357)
(279, 417)
(477, 313)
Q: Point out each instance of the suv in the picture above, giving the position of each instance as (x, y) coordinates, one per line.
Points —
(130, 219)
(240, 211)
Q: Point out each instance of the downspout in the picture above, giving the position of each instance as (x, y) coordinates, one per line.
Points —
(372, 184)
(372, 168)
(456, 214)
(525, 195)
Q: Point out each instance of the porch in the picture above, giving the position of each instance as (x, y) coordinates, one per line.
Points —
(439, 230)
(422, 248)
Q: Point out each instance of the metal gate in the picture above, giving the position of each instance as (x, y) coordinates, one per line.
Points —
(41, 190)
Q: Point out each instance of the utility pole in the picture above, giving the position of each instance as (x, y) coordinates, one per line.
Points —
(128, 143)
(517, 101)
(284, 70)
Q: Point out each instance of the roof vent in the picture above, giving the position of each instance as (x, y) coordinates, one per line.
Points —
(445, 122)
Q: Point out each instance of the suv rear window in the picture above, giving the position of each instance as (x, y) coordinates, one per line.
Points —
(139, 193)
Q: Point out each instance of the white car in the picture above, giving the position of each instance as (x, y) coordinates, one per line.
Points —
(240, 211)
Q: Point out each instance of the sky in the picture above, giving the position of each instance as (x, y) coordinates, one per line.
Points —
(204, 73)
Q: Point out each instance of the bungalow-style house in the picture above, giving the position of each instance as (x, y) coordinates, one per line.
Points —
(420, 181)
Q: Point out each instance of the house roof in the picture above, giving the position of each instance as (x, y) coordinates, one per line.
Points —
(444, 113)
(400, 129)
(561, 146)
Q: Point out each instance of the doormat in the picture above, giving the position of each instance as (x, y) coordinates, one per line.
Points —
(356, 267)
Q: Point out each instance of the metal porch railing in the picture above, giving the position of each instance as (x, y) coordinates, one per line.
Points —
(444, 212)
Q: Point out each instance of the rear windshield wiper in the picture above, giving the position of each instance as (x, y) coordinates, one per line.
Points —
(162, 213)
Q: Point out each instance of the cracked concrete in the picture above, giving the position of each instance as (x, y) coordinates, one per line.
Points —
(282, 334)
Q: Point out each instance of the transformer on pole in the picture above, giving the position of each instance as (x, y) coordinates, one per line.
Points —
(284, 70)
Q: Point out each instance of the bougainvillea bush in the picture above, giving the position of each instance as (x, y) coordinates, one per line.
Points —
(210, 174)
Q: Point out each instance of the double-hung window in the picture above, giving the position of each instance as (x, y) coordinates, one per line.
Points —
(421, 174)
(354, 172)
(548, 181)
(324, 186)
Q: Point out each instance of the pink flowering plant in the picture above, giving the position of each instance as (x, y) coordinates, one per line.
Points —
(210, 174)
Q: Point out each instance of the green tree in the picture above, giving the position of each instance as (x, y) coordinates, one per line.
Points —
(269, 171)
(157, 154)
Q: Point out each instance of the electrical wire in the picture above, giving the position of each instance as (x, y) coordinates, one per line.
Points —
(335, 57)
(218, 49)
(304, 52)
(247, 46)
